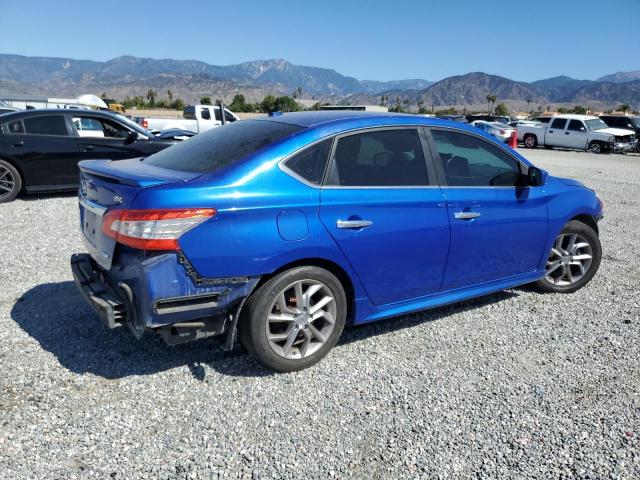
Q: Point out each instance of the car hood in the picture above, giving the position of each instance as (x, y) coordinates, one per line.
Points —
(615, 131)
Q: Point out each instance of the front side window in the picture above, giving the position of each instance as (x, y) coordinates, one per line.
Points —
(469, 161)
(46, 125)
(576, 126)
(381, 158)
(559, 123)
(99, 128)
(219, 147)
(311, 162)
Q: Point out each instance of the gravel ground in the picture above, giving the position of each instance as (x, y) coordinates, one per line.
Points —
(511, 385)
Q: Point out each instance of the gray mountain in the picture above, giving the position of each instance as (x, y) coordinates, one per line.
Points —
(375, 86)
(621, 77)
(559, 89)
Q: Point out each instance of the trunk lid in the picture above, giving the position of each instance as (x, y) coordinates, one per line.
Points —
(107, 185)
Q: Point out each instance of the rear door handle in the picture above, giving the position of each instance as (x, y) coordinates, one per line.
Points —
(466, 215)
(353, 224)
(87, 148)
(18, 144)
(566, 133)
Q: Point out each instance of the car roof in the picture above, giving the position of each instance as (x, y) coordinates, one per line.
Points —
(345, 119)
(56, 111)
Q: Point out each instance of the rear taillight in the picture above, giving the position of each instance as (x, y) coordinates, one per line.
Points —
(153, 229)
(145, 123)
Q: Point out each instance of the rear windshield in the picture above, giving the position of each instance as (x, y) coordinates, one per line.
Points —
(221, 146)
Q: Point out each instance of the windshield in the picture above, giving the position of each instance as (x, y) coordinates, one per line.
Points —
(134, 125)
(221, 146)
(595, 124)
(635, 121)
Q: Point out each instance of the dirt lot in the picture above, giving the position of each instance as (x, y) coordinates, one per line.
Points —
(512, 385)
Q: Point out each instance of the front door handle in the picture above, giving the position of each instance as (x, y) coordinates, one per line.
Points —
(566, 133)
(466, 215)
(18, 144)
(353, 224)
(87, 148)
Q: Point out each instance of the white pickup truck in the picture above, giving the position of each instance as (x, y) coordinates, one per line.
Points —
(197, 119)
(581, 132)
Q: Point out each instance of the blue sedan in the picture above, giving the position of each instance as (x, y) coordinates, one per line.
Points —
(282, 229)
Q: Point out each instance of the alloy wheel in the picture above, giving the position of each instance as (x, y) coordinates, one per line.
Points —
(569, 260)
(7, 181)
(301, 319)
(595, 148)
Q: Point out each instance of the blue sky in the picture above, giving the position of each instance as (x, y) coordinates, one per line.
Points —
(379, 40)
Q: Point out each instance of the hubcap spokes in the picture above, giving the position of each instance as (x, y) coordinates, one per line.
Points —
(7, 182)
(569, 260)
(301, 319)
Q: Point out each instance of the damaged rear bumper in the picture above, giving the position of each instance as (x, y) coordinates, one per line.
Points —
(158, 294)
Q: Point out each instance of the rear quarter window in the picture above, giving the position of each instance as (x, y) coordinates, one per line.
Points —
(222, 146)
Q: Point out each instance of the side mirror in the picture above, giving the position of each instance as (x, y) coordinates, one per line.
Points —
(131, 137)
(536, 177)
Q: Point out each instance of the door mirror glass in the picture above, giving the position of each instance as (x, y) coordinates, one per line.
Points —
(536, 177)
(131, 137)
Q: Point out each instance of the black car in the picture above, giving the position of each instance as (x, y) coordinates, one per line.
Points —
(623, 121)
(40, 149)
(487, 118)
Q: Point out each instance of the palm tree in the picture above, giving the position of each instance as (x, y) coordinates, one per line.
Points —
(151, 96)
(623, 108)
(299, 92)
(170, 95)
(528, 104)
(491, 100)
(406, 104)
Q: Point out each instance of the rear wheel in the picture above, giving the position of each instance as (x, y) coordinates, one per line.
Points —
(10, 182)
(530, 141)
(294, 319)
(573, 261)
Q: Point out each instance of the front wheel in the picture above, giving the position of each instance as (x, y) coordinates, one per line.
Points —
(573, 261)
(596, 147)
(294, 319)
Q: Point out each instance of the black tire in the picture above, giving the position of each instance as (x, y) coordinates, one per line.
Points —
(253, 329)
(596, 147)
(530, 141)
(10, 182)
(586, 233)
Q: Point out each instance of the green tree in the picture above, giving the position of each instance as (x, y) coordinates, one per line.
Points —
(151, 96)
(502, 110)
(162, 103)
(268, 104)
(178, 104)
(491, 100)
(286, 104)
(563, 110)
(238, 103)
(205, 100)
(579, 110)
(623, 108)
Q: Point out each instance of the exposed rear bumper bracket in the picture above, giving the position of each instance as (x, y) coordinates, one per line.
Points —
(97, 292)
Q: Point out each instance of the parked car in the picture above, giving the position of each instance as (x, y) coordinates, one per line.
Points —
(40, 149)
(6, 108)
(499, 130)
(517, 123)
(283, 229)
(580, 132)
(488, 118)
(177, 134)
(625, 122)
(197, 118)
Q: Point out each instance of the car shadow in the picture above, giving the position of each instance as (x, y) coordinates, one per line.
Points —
(57, 317)
(30, 197)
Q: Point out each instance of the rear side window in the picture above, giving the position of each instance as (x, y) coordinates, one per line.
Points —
(13, 128)
(205, 114)
(221, 146)
(46, 125)
(469, 161)
(559, 123)
(310, 163)
(381, 158)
